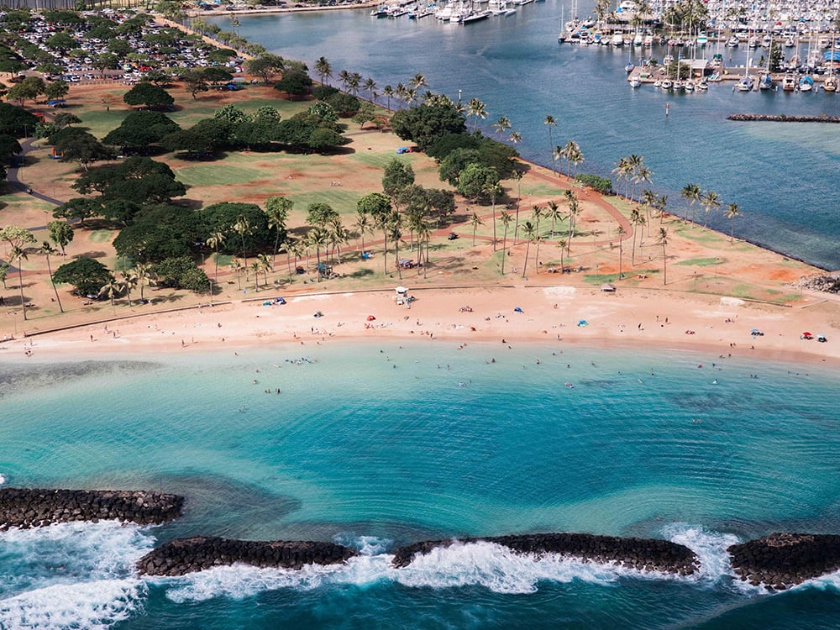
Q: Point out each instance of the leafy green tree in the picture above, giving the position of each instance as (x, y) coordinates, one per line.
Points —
(189, 141)
(60, 42)
(231, 114)
(424, 124)
(17, 239)
(181, 273)
(454, 164)
(56, 90)
(119, 47)
(16, 121)
(475, 180)
(83, 148)
(324, 139)
(148, 95)
(137, 178)
(223, 217)
(215, 75)
(277, 210)
(319, 214)
(195, 82)
(27, 90)
(265, 66)
(140, 130)
(160, 232)
(86, 275)
(344, 104)
(397, 175)
(61, 233)
(105, 61)
(294, 83)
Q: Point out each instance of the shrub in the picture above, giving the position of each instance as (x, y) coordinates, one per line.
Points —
(602, 184)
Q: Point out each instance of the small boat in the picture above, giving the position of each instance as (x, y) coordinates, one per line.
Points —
(689, 86)
(789, 83)
(824, 42)
(702, 86)
(678, 85)
(745, 84)
(766, 83)
(475, 17)
(635, 81)
(657, 83)
(806, 84)
(830, 84)
(379, 13)
(648, 41)
(702, 39)
(668, 59)
(617, 40)
(638, 40)
(629, 68)
(733, 42)
(667, 84)
(789, 42)
(766, 41)
(753, 41)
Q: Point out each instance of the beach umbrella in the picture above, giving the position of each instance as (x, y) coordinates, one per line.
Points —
(371, 318)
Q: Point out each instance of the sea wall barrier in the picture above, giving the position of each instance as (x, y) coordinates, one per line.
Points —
(783, 118)
(780, 561)
(27, 508)
(642, 554)
(187, 555)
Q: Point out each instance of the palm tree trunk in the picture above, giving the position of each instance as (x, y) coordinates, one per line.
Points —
(276, 245)
(504, 247)
(494, 223)
(58, 299)
(527, 249)
(633, 256)
(664, 266)
(20, 282)
(397, 254)
(427, 259)
(537, 261)
(216, 273)
(620, 252)
(516, 225)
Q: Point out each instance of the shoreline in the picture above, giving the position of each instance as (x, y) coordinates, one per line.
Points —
(272, 10)
(629, 320)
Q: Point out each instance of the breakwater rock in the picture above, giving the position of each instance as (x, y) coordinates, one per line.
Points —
(25, 508)
(782, 560)
(633, 553)
(187, 555)
(783, 118)
(827, 282)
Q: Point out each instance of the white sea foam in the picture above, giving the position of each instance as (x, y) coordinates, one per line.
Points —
(492, 566)
(2, 479)
(824, 582)
(71, 575)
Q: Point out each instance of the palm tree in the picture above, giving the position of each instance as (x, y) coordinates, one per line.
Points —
(574, 210)
(411, 96)
(370, 86)
(323, 67)
(215, 239)
(517, 175)
(338, 236)
(475, 221)
(401, 92)
(537, 213)
(353, 83)
(493, 190)
(635, 162)
(266, 265)
(539, 239)
(567, 152)
(144, 274)
(622, 170)
(476, 109)
(732, 211)
(383, 222)
(129, 281)
(554, 214)
(424, 234)
(549, 120)
(661, 204)
(691, 193)
(256, 267)
(296, 249)
(636, 219)
(243, 228)
(620, 232)
(528, 228)
(277, 211)
(46, 250)
(562, 245)
(388, 92)
(418, 81)
(18, 254)
(663, 240)
(559, 154)
(643, 176)
(112, 289)
(363, 225)
(317, 238)
(574, 156)
(505, 218)
(502, 125)
(237, 269)
(710, 201)
(344, 77)
(396, 234)
(649, 200)
(515, 138)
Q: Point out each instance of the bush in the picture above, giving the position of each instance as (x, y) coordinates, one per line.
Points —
(221, 217)
(322, 139)
(602, 184)
(294, 83)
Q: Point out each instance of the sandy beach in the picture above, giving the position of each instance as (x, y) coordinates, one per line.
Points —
(552, 316)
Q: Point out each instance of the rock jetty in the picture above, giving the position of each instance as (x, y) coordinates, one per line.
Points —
(187, 555)
(780, 561)
(783, 118)
(827, 282)
(634, 553)
(27, 508)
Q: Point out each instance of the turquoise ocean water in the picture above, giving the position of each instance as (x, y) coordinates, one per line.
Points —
(784, 176)
(360, 452)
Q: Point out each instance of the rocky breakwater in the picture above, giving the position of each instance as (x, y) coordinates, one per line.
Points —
(783, 118)
(780, 561)
(187, 555)
(26, 508)
(634, 553)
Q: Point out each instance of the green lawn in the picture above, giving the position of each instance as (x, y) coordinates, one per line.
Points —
(101, 236)
(601, 278)
(702, 262)
(217, 174)
(342, 201)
